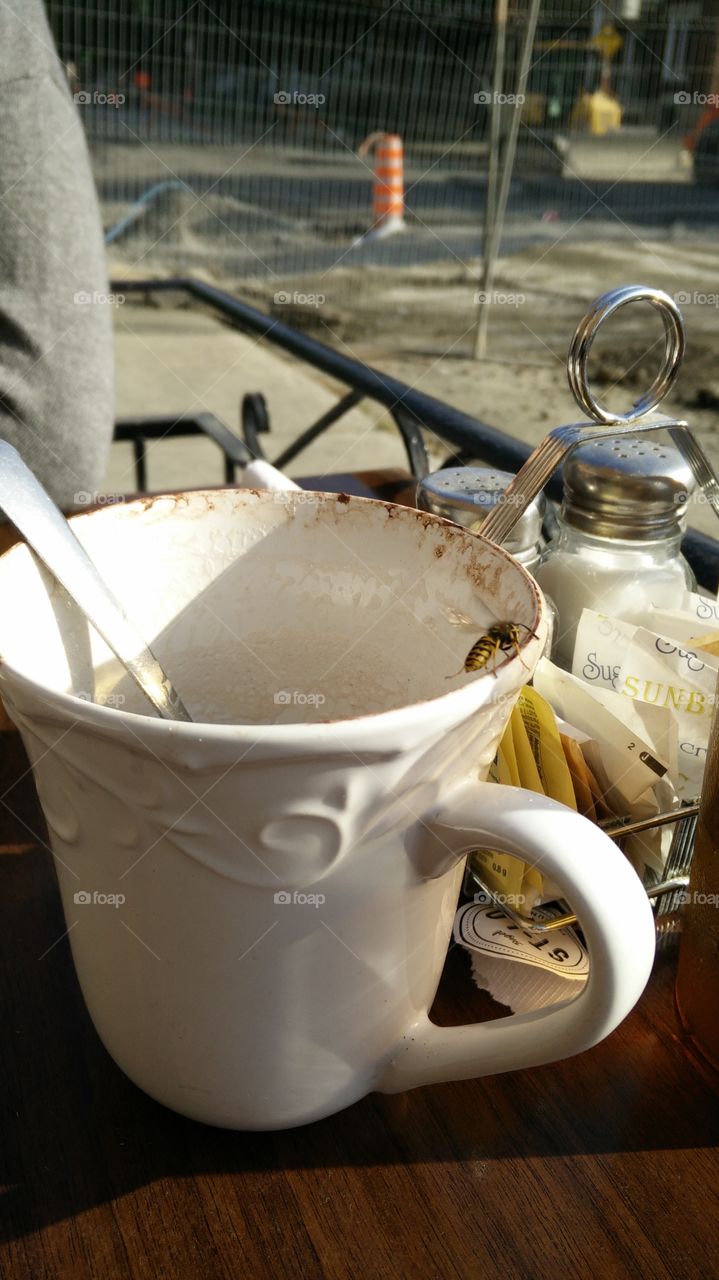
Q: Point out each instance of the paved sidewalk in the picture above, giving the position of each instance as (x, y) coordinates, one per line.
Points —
(631, 155)
(174, 360)
(641, 154)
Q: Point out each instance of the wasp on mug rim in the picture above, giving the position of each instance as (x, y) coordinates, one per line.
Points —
(500, 638)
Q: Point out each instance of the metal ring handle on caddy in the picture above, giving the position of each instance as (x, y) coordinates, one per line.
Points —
(559, 442)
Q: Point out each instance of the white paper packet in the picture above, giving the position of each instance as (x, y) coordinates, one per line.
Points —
(655, 666)
(631, 745)
(703, 608)
(631, 749)
(660, 670)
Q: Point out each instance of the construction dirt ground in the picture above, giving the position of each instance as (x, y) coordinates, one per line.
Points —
(417, 324)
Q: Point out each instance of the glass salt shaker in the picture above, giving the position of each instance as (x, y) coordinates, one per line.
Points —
(617, 545)
(467, 495)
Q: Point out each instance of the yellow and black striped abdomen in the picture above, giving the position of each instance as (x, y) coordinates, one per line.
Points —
(500, 637)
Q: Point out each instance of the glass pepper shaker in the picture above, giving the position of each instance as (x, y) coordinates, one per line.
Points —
(617, 546)
(467, 495)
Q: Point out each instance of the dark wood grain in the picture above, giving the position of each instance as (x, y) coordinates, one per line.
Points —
(604, 1164)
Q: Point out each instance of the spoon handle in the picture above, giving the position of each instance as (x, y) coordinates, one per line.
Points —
(48, 534)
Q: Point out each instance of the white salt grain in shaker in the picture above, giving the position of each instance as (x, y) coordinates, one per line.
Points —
(617, 545)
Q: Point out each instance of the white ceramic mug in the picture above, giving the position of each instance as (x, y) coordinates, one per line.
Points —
(259, 904)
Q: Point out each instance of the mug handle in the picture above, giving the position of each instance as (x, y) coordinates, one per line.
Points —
(613, 910)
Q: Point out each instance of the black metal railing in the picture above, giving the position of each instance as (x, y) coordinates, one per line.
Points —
(412, 411)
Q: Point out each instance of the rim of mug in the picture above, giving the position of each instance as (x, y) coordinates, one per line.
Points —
(409, 713)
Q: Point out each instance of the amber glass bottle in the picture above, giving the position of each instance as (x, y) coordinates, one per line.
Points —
(697, 989)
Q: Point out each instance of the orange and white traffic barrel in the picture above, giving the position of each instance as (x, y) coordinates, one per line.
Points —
(388, 187)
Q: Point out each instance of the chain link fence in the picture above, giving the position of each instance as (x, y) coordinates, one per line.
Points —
(225, 138)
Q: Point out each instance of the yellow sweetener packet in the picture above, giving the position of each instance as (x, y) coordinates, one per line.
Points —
(500, 872)
(530, 755)
(542, 732)
(528, 772)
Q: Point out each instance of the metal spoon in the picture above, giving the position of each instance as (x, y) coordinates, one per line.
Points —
(48, 534)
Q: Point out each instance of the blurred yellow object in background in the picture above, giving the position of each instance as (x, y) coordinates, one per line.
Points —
(598, 113)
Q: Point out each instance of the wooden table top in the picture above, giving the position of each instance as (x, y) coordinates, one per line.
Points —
(603, 1165)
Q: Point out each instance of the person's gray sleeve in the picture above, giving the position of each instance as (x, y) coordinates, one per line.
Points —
(56, 403)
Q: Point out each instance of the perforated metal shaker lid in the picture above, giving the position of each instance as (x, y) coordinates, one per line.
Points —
(468, 494)
(627, 487)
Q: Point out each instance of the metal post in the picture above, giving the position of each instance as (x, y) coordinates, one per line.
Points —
(495, 231)
(500, 46)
